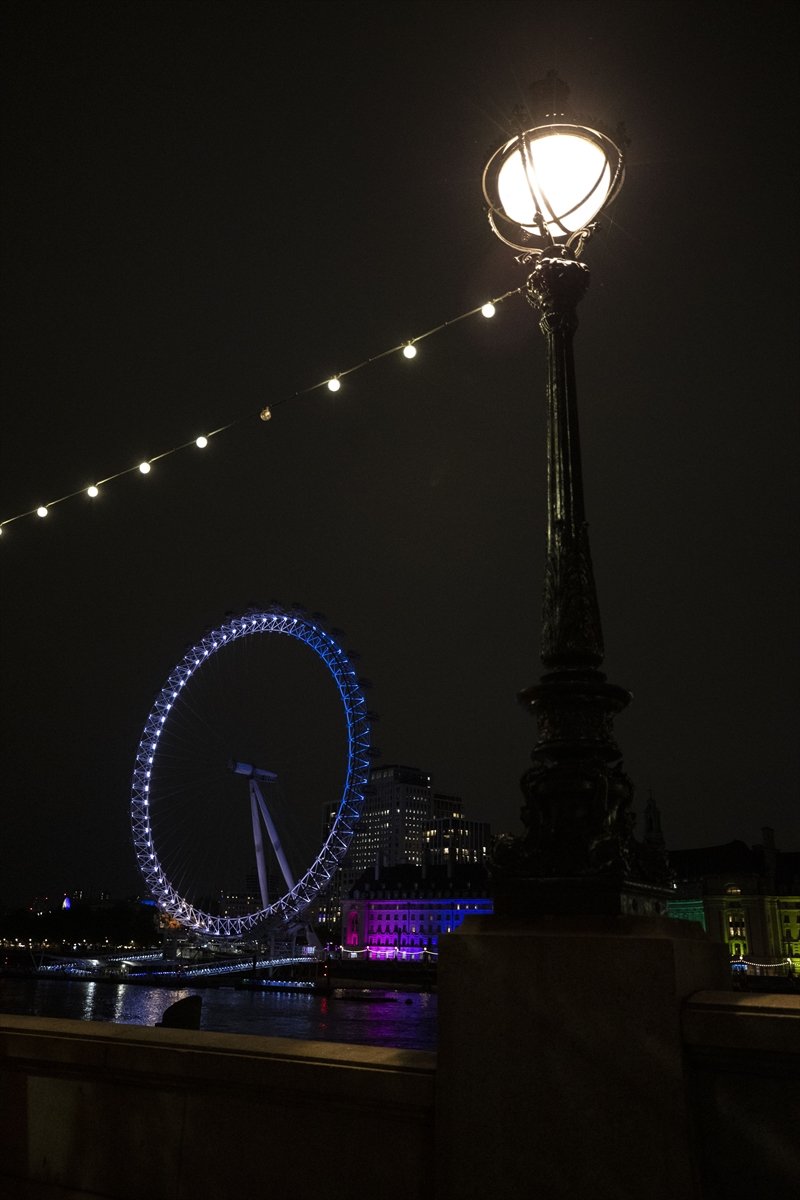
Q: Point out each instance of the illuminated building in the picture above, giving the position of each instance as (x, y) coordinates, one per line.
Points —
(746, 897)
(235, 904)
(397, 809)
(403, 824)
(402, 913)
(452, 838)
(404, 821)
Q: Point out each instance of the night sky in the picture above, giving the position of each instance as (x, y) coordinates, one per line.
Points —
(210, 207)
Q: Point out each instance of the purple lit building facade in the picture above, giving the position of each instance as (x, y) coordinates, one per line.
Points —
(402, 913)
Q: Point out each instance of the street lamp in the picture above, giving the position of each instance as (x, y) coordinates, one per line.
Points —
(543, 189)
(549, 183)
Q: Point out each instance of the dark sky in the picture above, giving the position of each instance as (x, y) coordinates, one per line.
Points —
(209, 207)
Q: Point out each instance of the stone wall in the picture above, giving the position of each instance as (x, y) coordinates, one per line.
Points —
(113, 1112)
(121, 1112)
(598, 1057)
(743, 1075)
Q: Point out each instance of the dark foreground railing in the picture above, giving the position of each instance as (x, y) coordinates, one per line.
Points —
(743, 1077)
(121, 1112)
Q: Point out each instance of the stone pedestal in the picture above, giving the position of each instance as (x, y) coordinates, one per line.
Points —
(560, 1070)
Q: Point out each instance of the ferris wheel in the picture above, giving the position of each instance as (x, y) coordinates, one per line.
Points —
(227, 763)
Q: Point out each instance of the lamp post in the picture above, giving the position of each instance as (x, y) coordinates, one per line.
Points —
(543, 189)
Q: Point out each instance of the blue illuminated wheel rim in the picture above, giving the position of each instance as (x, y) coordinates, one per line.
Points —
(254, 623)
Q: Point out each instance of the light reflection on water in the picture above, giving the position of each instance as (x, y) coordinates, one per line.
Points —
(406, 1020)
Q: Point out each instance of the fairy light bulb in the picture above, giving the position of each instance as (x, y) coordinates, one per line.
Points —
(333, 384)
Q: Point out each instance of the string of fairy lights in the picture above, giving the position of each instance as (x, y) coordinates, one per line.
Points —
(408, 349)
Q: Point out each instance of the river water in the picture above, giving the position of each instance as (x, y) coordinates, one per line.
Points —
(384, 1018)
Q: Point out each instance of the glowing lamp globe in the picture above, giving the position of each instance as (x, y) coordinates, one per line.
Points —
(548, 184)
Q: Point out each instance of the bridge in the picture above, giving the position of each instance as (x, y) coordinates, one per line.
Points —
(153, 966)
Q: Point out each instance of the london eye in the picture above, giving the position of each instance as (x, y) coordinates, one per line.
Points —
(250, 774)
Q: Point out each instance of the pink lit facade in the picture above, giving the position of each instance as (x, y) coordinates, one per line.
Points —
(406, 923)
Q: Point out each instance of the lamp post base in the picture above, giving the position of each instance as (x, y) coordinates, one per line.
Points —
(577, 896)
(561, 1068)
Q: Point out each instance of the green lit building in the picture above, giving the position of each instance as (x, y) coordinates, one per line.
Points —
(747, 897)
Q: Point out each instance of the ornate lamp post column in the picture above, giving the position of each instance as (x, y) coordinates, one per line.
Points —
(529, 1050)
(543, 188)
